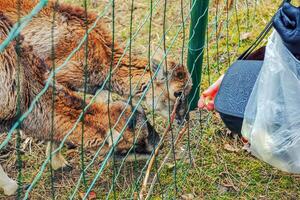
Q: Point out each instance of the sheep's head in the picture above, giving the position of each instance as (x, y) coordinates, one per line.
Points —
(172, 80)
(132, 130)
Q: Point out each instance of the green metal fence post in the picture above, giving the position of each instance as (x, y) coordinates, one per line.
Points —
(199, 16)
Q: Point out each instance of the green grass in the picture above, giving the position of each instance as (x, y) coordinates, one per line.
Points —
(215, 173)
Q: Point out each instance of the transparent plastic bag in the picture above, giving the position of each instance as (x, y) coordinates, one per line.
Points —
(272, 116)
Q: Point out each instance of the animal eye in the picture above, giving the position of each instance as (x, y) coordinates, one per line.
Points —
(142, 89)
(96, 72)
(180, 75)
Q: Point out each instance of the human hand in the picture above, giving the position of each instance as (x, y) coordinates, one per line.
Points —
(208, 96)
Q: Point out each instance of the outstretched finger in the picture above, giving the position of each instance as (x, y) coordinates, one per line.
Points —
(214, 88)
(201, 102)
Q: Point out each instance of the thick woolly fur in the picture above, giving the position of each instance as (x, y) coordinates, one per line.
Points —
(22, 77)
(68, 105)
(26, 63)
(70, 28)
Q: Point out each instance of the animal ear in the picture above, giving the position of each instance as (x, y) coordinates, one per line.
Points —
(157, 63)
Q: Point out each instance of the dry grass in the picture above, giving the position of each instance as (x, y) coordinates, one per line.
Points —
(216, 171)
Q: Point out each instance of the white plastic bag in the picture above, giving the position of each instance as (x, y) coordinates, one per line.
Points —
(272, 115)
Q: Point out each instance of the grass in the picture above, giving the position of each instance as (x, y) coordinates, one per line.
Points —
(216, 171)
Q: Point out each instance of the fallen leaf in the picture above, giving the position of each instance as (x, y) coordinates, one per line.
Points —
(230, 148)
(92, 195)
(245, 36)
(26, 143)
(170, 166)
(222, 189)
(246, 147)
(228, 132)
(135, 195)
(229, 185)
(187, 196)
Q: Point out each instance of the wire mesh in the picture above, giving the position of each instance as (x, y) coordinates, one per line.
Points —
(142, 24)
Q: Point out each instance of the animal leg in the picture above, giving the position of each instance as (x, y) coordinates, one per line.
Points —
(8, 185)
(57, 161)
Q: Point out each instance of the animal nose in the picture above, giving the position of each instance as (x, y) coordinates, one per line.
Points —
(182, 110)
(153, 136)
(177, 94)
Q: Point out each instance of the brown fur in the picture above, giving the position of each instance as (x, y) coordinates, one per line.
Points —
(22, 77)
(68, 105)
(70, 29)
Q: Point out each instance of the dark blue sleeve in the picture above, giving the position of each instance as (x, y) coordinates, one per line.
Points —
(287, 24)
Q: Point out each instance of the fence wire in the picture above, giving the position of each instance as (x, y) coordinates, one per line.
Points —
(227, 35)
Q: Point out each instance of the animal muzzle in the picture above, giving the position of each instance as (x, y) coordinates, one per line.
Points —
(182, 110)
(149, 145)
(153, 136)
(143, 150)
